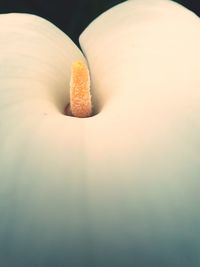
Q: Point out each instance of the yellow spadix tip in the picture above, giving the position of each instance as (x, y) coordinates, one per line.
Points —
(80, 97)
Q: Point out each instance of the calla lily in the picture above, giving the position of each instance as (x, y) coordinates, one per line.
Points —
(120, 188)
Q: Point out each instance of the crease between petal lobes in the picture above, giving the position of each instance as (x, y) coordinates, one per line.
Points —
(80, 97)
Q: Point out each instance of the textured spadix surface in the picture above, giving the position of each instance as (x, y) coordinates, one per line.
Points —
(117, 189)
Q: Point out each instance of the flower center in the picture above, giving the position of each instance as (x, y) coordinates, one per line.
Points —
(80, 97)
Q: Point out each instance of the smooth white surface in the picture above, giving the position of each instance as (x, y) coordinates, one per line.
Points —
(42, 152)
(145, 62)
(117, 189)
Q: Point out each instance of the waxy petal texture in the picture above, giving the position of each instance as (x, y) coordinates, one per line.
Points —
(120, 188)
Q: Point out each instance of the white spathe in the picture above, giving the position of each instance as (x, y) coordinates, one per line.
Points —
(117, 189)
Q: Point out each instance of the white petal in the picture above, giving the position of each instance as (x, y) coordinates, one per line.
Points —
(41, 150)
(144, 58)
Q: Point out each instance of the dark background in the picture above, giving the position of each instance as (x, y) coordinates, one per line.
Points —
(72, 16)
